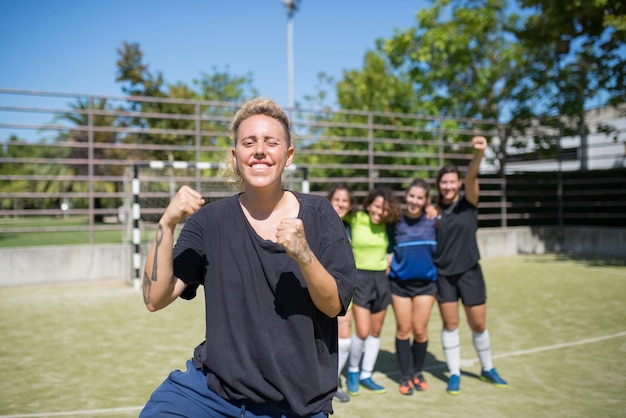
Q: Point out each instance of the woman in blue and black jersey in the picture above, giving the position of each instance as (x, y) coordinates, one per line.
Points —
(412, 278)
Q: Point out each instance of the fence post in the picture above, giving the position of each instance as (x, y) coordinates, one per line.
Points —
(198, 143)
(370, 151)
(502, 157)
(90, 171)
(441, 146)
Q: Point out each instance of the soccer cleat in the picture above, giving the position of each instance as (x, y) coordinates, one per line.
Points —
(454, 384)
(341, 396)
(353, 383)
(371, 385)
(405, 387)
(419, 382)
(493, 377)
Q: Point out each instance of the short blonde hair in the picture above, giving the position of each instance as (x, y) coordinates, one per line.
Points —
(260, 106)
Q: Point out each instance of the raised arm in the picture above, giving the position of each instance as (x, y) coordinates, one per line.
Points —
(472, 188)
(160, 287)
(321, 284)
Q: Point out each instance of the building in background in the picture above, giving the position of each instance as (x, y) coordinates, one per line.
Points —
(606, 147)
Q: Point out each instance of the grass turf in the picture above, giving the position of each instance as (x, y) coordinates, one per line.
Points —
(557, 324)
(12, 239)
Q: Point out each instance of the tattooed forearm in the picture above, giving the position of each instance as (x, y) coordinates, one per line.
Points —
(148, 279)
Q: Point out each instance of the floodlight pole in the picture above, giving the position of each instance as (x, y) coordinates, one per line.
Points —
(290, 7)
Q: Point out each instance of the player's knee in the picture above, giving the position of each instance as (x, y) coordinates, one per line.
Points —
(478, 328)
(403, 334)
(421, 335)
(450, 326)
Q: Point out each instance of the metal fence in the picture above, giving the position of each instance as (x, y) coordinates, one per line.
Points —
(71, 156)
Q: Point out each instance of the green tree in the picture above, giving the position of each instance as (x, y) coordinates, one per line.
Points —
(458, 57)
(384, 95)
(579, 47)
(454, 63)
(83, 115)
(174, 119)
(491, 60)
(46, 175)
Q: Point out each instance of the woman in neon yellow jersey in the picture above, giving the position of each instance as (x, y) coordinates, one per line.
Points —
(372, 296)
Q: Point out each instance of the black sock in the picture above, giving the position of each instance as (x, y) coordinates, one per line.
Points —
(419, 355)
(403, 352)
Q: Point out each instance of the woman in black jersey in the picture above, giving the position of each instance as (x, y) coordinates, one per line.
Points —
(459, 273)
(277, 269)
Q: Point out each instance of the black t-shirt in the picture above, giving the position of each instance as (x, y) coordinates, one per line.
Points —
(265, 339)
(457, 248)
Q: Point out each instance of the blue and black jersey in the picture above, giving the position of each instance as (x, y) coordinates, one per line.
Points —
(413, 244)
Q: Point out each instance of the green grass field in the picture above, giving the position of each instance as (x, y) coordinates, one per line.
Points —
(17, 238)
(557, 323)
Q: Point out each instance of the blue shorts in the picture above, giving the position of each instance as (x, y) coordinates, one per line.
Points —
(186, 394)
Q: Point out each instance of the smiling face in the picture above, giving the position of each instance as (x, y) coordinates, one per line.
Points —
(261, 151)
(378, 210)
(416, 200)
(449, 186)
(341, 202)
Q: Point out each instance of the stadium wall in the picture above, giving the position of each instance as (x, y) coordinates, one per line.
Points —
(64, 264)
(84, 263)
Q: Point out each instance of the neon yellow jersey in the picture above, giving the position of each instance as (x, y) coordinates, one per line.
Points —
(369, 242)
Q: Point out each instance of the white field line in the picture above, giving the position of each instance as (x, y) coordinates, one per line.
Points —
(605, 269)
(464, 363)
(471, 362)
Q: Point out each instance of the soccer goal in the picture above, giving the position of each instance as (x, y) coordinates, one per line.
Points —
(154, 184)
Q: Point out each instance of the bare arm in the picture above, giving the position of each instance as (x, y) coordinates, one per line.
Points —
(472, 188)
(321, 284)
(431, 212)
(160, 287)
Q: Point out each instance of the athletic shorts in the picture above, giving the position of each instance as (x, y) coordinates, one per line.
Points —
(372, 291)
(411, 288)
(186, 394)
(469, 286)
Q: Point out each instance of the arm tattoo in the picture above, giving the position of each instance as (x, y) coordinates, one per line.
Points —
(146, 288)
(157, 243)
(147, 280)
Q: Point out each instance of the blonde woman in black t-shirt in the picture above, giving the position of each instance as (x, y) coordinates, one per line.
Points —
(459, 273)
(276, 268)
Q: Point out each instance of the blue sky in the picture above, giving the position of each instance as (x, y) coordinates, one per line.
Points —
(70, 46)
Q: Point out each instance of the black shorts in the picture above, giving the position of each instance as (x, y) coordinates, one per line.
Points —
(410, 288)
(469, 286)
(372, 291)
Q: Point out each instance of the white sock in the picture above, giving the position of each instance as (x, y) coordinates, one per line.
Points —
(370, 354)
(356, 350)
(452, 350)
(344, 352)
(482, 344)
